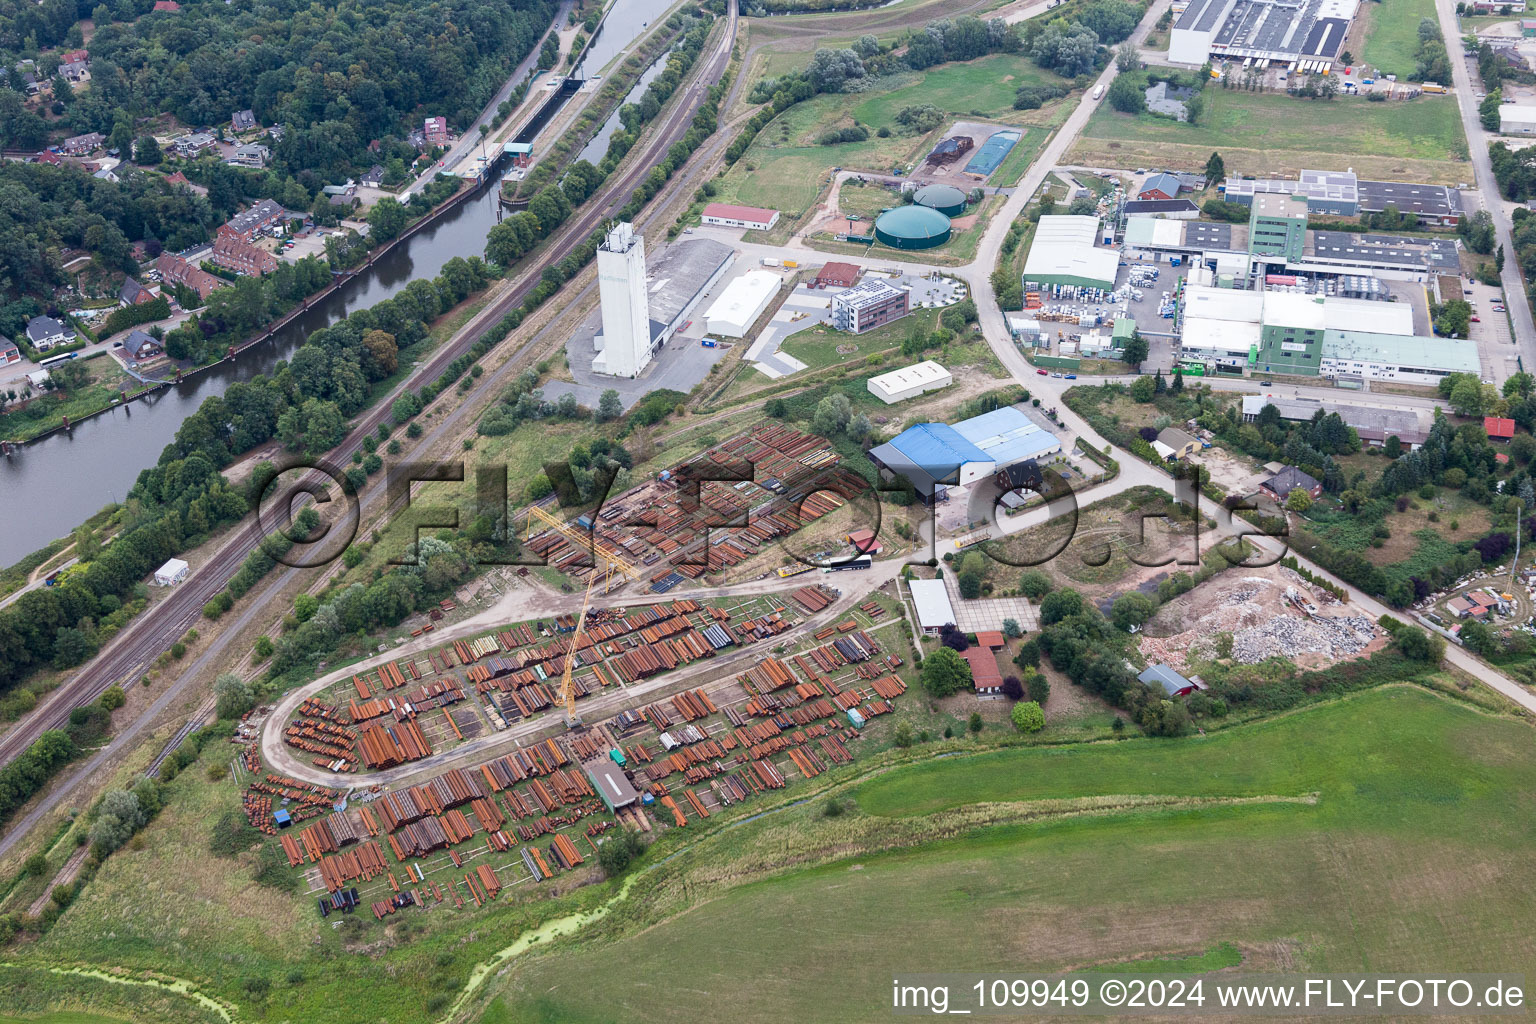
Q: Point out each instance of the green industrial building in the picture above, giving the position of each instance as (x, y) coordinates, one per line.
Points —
(1277, 227)
(1291, 334)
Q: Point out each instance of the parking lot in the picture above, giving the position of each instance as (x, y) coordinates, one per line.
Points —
(1492, 332)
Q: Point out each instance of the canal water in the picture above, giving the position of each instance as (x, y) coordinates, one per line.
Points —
(50, 486)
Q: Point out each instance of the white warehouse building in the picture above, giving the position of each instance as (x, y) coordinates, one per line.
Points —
(909, 382)
(742, 302)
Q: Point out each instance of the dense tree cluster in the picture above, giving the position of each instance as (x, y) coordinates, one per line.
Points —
(46, 209)
(552, 205)
(386, 601)
(1433, 64)
(1080, 642)
(1076, 40)
(338, 75)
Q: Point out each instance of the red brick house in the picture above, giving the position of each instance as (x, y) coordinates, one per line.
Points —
(838, 275)
(233, 253)
(175, 270)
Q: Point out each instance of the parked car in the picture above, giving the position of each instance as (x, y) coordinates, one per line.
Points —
(1477, 319)
(1042, 373)
(1055, 375)
(1071, 376)
(1266, 383)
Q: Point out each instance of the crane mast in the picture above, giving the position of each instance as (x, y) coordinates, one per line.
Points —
(607, 565)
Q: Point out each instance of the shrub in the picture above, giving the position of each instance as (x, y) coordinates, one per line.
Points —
(1027, 716)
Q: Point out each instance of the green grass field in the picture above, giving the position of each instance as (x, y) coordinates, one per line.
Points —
(1272, 133)
(982, 87)
(1392, 34)
(785, 169)
(1410, 857)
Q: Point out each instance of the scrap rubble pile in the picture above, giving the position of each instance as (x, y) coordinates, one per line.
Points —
(1287, 637)
(1263, 623)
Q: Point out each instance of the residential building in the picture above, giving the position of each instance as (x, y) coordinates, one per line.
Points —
(1159, 186)
(243, 121)
(233, 253)
(132, 293)
(868, 305)
(44, 332)
(9, 351)
(193, 144)
(987, 680)
(140, 345)
(75, 57)
(732, 216)
(177, 178)
(106, 174)
(837, 275)
(247, 224)
(252, 154)
(373, 177)
(79, 145)
(435, 131)
(909, 382)
(1497, 6)
(75, 72)
(1180, 443)
(48, 157)
(175, 270)
(1280, 486)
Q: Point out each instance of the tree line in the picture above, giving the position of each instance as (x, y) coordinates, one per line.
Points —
(338, 75)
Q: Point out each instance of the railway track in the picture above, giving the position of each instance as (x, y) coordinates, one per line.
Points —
(153, 632)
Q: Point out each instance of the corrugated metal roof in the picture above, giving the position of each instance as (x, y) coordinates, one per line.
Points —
(932, 603)
(938, 447)
(1006, 435)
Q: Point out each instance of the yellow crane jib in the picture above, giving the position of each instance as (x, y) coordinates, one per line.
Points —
(606, 562)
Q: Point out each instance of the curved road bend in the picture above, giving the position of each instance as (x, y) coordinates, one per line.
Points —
(158, 627)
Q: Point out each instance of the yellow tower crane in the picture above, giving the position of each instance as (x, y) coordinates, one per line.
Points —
(607, 565)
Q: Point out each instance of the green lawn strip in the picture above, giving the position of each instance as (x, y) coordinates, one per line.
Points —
(1392, 35)
(1408, 859)
(1426, 128)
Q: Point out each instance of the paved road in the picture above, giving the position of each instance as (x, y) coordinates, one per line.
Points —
(1482, 167)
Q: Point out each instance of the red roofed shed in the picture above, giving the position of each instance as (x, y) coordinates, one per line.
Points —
(1499, 428)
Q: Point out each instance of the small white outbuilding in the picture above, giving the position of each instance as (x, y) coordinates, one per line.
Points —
(172, 573)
